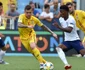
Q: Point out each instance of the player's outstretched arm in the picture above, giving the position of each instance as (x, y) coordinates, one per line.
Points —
(47, 29)
(67, 29)
(20, 25)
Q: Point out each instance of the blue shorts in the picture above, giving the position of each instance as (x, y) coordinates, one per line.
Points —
(77, 45)
(2, 43)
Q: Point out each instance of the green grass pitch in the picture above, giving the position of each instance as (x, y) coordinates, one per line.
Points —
(30, 63)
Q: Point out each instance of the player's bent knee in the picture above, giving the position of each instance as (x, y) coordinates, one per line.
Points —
(33, 45)
(5, 47)
(82, 52)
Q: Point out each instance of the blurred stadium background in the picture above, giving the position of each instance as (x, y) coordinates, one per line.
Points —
(17, 55)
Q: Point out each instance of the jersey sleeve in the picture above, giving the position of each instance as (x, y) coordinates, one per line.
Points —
(38, 22)
(71, 22)
(20, 19)
(83, 14)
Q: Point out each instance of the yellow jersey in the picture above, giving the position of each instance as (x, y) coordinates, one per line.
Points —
(66, 1)
(79, 16)
(26, 32)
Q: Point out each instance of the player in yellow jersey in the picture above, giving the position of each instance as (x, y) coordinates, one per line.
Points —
(79, 16)
(63, 2)
(26, 23)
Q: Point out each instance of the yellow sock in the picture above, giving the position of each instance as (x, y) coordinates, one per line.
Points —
(38, 56)
(83, 40)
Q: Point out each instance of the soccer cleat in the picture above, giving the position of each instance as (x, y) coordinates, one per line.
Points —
(3, 62)
(67, 67)
(41, 66)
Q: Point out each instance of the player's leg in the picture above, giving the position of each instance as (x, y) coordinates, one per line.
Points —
(79, 47)
(37, 55)
(83, 42)
(79, 55)
(3, 49)
(61, 54)
(34, 51)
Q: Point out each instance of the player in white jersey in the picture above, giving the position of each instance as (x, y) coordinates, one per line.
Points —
(3, 47)
(72, 40)
(70, 22)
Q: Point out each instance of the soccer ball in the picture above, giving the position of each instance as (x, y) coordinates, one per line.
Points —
(48, 66)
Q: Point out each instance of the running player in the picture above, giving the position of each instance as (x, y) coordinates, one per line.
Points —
(72, 40)
(26, 24)
(3, 48)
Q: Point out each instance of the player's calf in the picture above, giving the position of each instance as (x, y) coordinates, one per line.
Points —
(5, 48)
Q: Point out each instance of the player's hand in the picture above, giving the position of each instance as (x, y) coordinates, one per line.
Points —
(56, 24)
(31, 26)
(1, 35)
(55, 35)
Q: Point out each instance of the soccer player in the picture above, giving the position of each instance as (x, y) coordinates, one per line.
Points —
(72, 40)
(63, 2)
(79, 16)
(3, 48)
(26, 23)
(74, 4)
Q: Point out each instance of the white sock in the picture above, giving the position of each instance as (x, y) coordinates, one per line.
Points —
(84, 56)
(62, 55)
(2, 54)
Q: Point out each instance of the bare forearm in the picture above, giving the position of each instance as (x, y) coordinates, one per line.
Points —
(47, 29)
(69, 29)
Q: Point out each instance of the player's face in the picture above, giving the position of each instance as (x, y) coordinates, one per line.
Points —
(74, 5)
(71, 8)
(63, 13)
(28, 13)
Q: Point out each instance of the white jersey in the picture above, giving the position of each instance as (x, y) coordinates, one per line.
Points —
(70, 22)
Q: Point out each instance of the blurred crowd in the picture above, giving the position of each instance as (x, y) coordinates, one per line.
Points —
(48, 13)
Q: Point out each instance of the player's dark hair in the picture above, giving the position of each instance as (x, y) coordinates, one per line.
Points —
(69, 3)
(74, 2)
(27, 7)
(46, 6)
(1, 4)
(64, 7)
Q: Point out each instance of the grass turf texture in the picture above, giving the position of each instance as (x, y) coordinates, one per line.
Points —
(30, 63)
